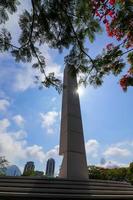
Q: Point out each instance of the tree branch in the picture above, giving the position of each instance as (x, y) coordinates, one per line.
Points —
(32, 26)
(126, 51)
(79, 43)
(42, 68)
(13, 46)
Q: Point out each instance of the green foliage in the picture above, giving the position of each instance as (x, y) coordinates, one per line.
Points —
(39, 173)
(116, 174)
(2, 173)
(3, 165)
(124, 17)
(7, 7)
(97, 173)
(130, 173)
(130, 58)
(3, 162)
(105, 64)
(29, 173)
(64, 24)
(33, 173)
(5, 39)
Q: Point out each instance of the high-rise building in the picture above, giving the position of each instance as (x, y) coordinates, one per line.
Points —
(50, 167)
(29, 166)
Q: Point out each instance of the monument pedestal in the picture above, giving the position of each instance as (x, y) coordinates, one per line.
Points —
(76, 162)
(31, 188)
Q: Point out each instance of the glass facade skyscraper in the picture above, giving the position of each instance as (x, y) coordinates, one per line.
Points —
(50, 167)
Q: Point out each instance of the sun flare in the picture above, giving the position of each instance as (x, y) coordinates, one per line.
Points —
(80, 91)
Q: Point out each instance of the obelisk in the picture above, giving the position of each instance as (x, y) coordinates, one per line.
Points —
(72, 147)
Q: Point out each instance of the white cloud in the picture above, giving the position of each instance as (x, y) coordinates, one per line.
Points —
(113, 164)
(4, 104)
(24, 79)
(48, 120)
(4, 124)
(125, 143)
(14, 147)
(17, 77)
(19, 135)
(10, 147)
(92, 147)
(36, 152)
(51, 65)
(117, 151)
(53, 152)
(19, 120)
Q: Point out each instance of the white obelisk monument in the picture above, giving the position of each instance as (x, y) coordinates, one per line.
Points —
(72, 146)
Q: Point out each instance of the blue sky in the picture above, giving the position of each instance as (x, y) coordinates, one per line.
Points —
(30, 118)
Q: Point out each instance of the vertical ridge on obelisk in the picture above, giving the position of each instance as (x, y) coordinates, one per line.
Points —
(72, 147)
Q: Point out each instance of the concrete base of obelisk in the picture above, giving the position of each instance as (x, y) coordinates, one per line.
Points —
(71, 164)
(35, 188)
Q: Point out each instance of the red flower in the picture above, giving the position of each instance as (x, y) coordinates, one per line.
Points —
(124, 82)
(123, 85)
(111, 13)
(112, 2)
(110, 33)
(98, 14)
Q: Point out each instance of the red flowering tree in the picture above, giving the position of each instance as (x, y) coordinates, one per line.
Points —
(117, 16)
(67, 24)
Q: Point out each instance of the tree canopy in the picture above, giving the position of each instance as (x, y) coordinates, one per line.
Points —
(68, 24)
(115, 174)
(3, 164)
